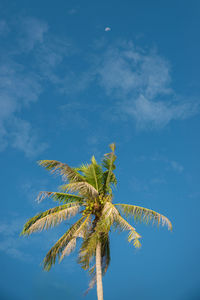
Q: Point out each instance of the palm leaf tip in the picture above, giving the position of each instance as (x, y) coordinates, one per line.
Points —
(23, 232)
(108, 163)
(93, 160)
(145, 215)
(167, 222)
(57, 167)
(112, 147)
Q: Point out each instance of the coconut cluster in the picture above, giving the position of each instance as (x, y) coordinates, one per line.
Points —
(96, 207)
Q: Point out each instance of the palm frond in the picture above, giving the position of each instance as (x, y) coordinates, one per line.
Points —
(92, 273)
(80, 232)
(82, 188)
(60, 197)
(145, 215)
(97, 172)
(108, 164)
(56, 167)
(69, 248)
(93, 174)
(60, 245)
(51, 217)
(113, 216)
(88, 249)
(133, 235)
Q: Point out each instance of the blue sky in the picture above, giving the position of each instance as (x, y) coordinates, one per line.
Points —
(68, 88)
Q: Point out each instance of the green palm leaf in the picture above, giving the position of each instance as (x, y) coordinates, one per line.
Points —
(93, 174)
(80, 232)
(63, 169)
(51, 217)
(133, 235)
(115, 218)
(108, 164)
(82, 188)
(60, 197)
(87, 250)
(144, 215)
(60, 245)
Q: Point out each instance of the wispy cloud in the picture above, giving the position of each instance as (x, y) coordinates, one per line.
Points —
(123, 70)
(18, 89)
(32, 32)
(22, 81)
(137, 82)
(25, 138)
(10, 242)
(140, 83)
(157, 114)
(176, 166)
(170, 164)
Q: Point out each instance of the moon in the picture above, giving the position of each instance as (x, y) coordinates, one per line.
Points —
(107, 29)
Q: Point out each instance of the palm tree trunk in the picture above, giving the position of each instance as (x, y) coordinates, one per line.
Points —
(99, 272)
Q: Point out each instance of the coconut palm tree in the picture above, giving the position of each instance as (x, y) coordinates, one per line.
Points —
(88, 190)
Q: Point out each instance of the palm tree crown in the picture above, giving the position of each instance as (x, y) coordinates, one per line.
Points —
(88, 191)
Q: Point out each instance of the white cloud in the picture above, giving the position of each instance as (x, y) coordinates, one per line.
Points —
(9, 229)
(170, 164)
(25, 139)
(32, 32)
(115, 74)
(18, 89)
(139, 82)
(50, 56)
(10, 242)
(22, 84)
(156, 114)
(176, 166)
(17, 86)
